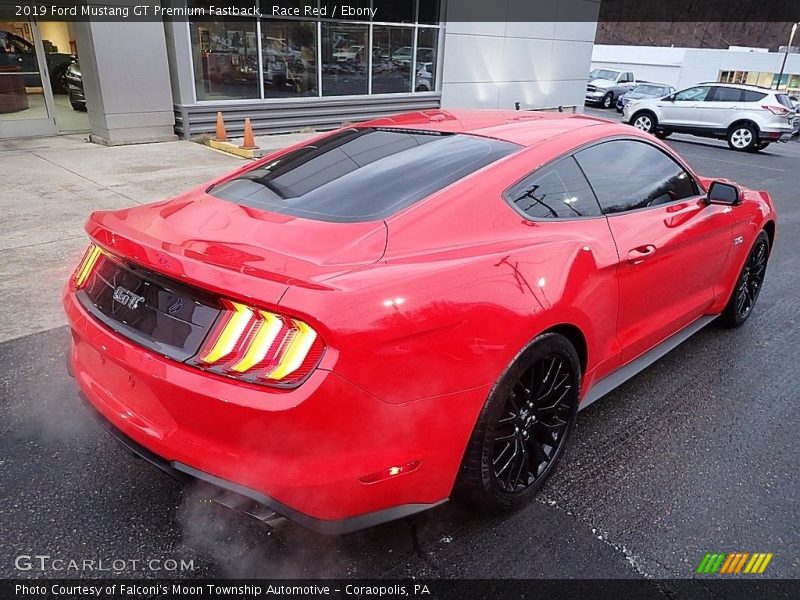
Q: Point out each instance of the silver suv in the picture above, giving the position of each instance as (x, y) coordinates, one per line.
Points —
(750, 118)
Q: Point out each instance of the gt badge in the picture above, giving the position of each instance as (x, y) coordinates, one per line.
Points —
(127, 297)
(738, 240)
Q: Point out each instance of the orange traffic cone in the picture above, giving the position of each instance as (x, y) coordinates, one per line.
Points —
(249, 140)
(222, 136)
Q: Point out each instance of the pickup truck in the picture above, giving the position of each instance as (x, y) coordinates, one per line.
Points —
(606, 85)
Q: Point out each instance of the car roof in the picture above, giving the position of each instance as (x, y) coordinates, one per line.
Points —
(523, 127)
(738, 86)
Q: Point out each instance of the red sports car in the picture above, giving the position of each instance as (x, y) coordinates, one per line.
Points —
(403, 311)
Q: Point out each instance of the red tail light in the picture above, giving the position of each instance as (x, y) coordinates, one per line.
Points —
(776, 110)
(260, 346)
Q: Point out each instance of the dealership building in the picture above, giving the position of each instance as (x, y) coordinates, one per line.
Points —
(684, 67)
(155, 80)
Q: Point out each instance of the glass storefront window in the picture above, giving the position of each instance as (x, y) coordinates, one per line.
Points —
(391, 59)
(225, 57)
(289, 56)
(306, 57)
(427, 43)
(344, 59)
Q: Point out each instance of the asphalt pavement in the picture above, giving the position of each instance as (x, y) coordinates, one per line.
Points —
(697, 454)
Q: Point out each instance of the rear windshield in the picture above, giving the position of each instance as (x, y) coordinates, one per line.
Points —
(362, 174)
(784, 99)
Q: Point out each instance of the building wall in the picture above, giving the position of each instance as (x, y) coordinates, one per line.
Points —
(683, 67)
(126, 82)
(531, 58)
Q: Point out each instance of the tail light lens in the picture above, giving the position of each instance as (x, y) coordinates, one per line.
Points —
(776, 110)
(260, 346)
(87, 264)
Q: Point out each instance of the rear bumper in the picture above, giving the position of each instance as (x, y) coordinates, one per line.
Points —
(185, 473)
(302, 452)
(775, 134)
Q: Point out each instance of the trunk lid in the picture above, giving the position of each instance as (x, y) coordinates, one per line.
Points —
(236, 250)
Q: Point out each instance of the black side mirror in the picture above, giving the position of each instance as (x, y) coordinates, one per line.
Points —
(723, 193)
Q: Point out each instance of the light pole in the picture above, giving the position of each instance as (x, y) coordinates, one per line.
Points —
(785, 56)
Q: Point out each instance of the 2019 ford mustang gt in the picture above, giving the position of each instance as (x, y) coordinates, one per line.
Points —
(411, 309)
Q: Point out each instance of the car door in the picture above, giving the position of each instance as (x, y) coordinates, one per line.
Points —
(721, 105)
(671, 243)
(682, 109)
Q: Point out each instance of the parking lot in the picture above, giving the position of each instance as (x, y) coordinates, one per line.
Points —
(697, 454)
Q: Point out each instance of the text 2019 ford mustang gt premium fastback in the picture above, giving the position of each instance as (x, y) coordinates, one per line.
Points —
(400, 312)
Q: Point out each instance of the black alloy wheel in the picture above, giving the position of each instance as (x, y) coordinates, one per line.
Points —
(523, 427)
(748, 285)
(532, 431)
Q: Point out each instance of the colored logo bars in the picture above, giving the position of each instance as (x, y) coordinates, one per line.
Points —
(734, 563)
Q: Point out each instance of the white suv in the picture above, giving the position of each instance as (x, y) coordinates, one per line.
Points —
(748, 117)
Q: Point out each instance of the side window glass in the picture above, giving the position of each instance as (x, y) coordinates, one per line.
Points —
(726, 94)
(695, 94)
(629, 175)
(559, 190)
(751, 96)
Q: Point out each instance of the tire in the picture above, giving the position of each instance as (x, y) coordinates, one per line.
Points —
(79, 106)
(742, 137)
(59, 81)
(760, 146)
(619, 110)
(645, 120)
(748, 284)
(518, 425)
(662, 135)
(608, 100)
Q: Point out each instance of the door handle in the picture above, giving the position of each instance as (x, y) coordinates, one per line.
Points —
(638, 255)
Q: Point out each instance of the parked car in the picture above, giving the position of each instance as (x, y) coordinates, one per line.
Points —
(644, 90)
(16, 51)
(402, 311)
(606, 85)
(750, 118)
(74, 82)
(350, 54)
(402, 56)
(424, 77)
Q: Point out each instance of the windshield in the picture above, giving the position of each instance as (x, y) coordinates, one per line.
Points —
(362, 174)
(652, 90)
(603, 74)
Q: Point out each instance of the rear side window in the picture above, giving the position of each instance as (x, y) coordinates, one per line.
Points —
(362, 174)
(726, 94)
(559, 190)
(751, 96)
(630, 175)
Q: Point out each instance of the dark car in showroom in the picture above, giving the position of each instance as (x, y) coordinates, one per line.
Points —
(644, 90)
(16, 51)
(74, 82)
